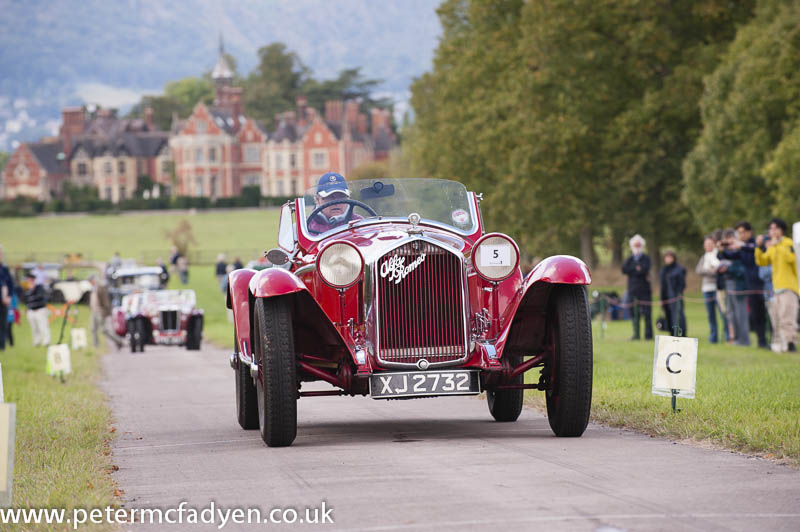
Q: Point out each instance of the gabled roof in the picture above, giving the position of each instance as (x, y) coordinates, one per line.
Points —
(223, 118)
(286, 131)
(47, 154)
(144, 144)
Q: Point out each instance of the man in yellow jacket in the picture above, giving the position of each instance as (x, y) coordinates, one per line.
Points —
(779, 253)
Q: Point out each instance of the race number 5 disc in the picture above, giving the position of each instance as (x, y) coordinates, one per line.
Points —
(496, 255)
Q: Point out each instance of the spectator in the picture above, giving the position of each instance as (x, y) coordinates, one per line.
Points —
(753, 283)
(765, 273)
(637, 268)
(100, 307)
(222, 275)
(13, 317)
(672, 278)
(183, 269)
(707, 268)
(733, 270)
(36, 299)
(779, 253)
(164, 275)
(237, 264)
(7, 289)
(115, 262)
(174, 254)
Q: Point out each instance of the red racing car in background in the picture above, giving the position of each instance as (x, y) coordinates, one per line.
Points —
(392, 288)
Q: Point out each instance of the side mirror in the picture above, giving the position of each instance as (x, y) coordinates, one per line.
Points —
(286, 237)
(277, 256)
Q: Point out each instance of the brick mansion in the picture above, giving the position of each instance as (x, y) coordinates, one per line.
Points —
(213, 153)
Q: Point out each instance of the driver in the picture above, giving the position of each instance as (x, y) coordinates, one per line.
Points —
(331, 188)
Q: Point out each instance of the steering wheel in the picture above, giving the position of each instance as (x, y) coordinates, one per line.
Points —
(348, 216)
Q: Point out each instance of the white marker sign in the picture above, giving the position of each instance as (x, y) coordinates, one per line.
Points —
(79, 340)
(58, 359)
(8, 419)
(675, 366)
(496, 255)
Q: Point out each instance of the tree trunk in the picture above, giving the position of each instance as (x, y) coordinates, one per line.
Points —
(616, 250)
(587, 247)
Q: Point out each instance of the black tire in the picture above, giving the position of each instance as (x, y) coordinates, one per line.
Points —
(506, 405)
(276, 384)
(246, 394)
(194, 334)
(570, 397)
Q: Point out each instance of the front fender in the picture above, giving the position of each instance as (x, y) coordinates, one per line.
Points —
(526, 332)
(275, 282)
(239, 301)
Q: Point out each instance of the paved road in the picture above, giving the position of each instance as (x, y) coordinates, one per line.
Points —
(420, 464)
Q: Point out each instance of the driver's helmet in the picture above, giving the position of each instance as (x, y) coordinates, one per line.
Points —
(331, 183)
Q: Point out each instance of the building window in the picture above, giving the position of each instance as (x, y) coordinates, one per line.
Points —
(252, 180)
(212, 186)
(121, 166)
(278, 161)
(212, 154)
(292, 161)
(317, 138)
(202, 127)
(198, 155)
(294, 187)
(319, 159)
(82, 169)
(251, 154)
(108, 193)
(107, 167)
(164, 167)
(187, 155)
(198, 189)
(122, 193)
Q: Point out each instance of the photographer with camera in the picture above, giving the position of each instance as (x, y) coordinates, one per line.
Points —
(779, 253)
(734, 274)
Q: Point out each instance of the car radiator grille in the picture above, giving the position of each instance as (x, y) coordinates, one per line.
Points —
(169, 320)
(421, 316)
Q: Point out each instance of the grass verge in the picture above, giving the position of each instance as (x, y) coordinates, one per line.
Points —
(62, 455)
(748, 399)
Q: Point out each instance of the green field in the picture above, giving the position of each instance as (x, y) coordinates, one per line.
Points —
(244, 232)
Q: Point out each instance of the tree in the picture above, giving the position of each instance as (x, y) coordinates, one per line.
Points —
(274, 84)
(349, 85)
(179, 99)
(745, 162)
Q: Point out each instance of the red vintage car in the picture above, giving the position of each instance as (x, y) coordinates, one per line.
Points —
(159, 317)
(392, 288)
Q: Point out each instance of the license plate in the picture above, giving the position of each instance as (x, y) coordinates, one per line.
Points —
(422, 383)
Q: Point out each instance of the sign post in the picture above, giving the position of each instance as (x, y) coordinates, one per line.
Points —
(674, 368)
(8, 419)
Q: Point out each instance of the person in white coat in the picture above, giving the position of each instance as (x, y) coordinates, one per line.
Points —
(707, 268)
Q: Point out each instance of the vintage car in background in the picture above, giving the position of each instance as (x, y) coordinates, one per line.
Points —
(61, 287)
(401, 293)
(159, 317)
(127, 280)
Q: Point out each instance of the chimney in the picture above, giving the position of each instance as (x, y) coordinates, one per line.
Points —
(333, 110)
(73, 123)
(302, 118)
(380, 120)
(361, 127)
(351, 111)
(148, 118)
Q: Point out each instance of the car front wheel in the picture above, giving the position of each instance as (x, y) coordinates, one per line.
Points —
(569, 396)
(277, 372)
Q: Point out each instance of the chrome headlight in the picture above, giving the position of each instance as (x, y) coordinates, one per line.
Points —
(340, 264)
(495, 257)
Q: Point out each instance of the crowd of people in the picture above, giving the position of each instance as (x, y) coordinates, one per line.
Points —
(749, 281)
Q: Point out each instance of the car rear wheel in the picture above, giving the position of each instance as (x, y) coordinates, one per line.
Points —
(506, 405)
(277, 372)
(570, 395)
(246, 394)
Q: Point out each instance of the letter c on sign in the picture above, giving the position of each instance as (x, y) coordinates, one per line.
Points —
(669, 357)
